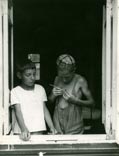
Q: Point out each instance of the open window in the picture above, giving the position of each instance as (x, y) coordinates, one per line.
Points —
(110, 68)
(6, 56)
(87, 29)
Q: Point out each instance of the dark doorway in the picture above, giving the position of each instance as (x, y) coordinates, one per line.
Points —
(52, 27)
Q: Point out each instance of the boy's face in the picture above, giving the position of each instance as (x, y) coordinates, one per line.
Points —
(66, 76)
(28, 78)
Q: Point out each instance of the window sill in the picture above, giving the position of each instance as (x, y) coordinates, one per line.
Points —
(55, 139)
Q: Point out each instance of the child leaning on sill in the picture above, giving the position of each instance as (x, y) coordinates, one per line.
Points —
(28, 103)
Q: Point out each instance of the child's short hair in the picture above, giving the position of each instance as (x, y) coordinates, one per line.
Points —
(25, 64)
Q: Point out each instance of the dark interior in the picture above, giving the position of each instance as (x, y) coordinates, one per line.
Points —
(53, 27)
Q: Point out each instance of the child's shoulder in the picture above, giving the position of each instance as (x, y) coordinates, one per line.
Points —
(38, 86)
(16, 88)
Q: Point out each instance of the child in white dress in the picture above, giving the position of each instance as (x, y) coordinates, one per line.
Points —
(28, 102)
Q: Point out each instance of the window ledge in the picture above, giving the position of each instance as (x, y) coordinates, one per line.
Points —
(56, 139)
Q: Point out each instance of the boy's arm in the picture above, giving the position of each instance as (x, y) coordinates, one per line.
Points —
(89, 101)
(87, 93)
(55, 91)
(51, 97)
(48, 119)
(25, 135)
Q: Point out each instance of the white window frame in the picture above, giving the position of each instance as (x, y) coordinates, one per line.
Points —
(117, 74)
(110, 74)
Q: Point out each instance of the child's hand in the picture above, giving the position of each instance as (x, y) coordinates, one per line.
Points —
(57, 91)
(53, 131)
(25, 135)
(69, 97)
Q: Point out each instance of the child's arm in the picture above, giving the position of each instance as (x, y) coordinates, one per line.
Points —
(48, 119)
(25, 135)
(56, 91)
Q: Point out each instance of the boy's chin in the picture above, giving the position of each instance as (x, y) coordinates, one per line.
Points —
(31, 85)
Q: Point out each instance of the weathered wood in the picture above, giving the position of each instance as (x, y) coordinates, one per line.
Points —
(117, 84)
(64, 150)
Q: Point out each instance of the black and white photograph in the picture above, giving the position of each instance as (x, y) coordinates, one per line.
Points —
(59, 77)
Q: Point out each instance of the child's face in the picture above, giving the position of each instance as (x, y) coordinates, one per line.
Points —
(28, 78)
(66, 76)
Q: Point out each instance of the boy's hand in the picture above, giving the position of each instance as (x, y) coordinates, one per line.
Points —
(57, 91)
(25, 135)
(53, 131)
(69, 97)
